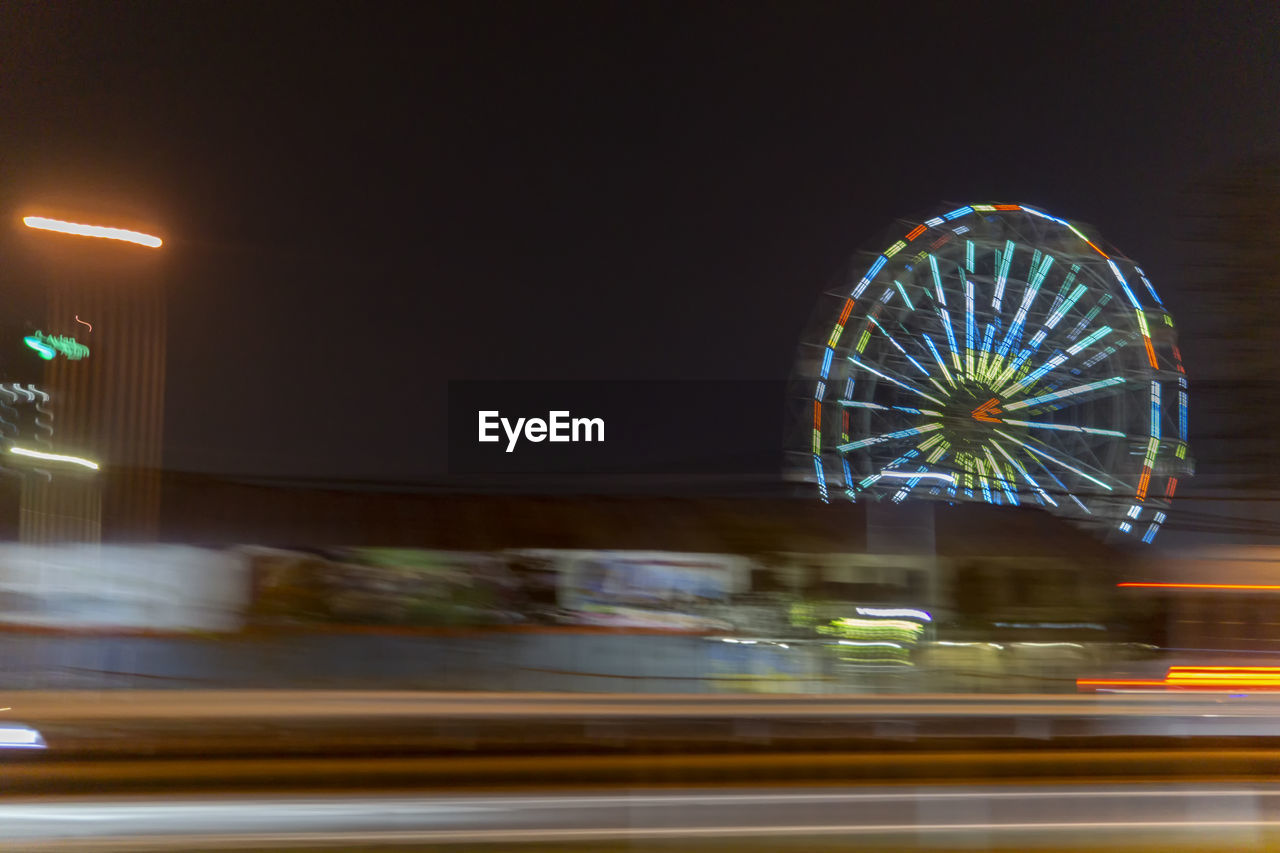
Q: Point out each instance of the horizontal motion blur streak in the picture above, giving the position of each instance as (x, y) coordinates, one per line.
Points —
(54, 457)
(45, 224)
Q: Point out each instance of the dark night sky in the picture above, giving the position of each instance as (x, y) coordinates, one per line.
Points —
(363, 201)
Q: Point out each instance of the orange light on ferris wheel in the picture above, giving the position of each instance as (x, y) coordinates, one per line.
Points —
(79, 230)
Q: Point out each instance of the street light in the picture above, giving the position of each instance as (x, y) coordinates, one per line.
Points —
(45, 224)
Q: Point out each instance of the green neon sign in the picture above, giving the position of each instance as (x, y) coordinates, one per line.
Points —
(47, 353)
(49, 345)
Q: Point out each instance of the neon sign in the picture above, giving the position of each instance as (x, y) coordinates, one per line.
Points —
(47, 353)
(49, 345)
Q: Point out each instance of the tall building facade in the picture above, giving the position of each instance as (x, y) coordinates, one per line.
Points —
(107, 406)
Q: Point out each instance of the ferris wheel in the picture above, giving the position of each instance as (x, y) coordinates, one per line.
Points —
(996, 353)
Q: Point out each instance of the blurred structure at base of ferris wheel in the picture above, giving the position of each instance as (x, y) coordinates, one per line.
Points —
(107, 406)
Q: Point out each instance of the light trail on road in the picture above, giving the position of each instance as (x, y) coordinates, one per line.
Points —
(1002, 817)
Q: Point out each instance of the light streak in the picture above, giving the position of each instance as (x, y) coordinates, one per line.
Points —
(1080, 234)
(45, 224)
(895, 611)
(1146, 338)
(1028, 296)
(1223, 586)
(902, 290)
(951, 337)
(898, 346)
(938, 453)
(1005, 261)
(938, 357)
(78, 320)
(1031, 378)
(1064, 428)
(982, 479)
(1153, 446)
(1115, 270)
(20, 737)
(1088, 318)
(892, 436)
(984, 361)
(937, 280)
(1054, 459)
(970, 332)
(1199, 678)
(957, 213)
(897, 382)
(1023, 471)
(1066, 392)
(918, 475)
(1004, 485)
(1182, 409)
(54, 457)
(912, 628)
(1150, 288)
(1065, 289)
(880, 643)
(915, 232)
(1098, 356)
(46, 352)
(1093, 338)
(1043, 215)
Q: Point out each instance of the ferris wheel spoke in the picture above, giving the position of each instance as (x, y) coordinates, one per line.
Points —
(1014, 336)
(1078, 392)
(890, 436)
(899, 382)
(1055, 361)
(1030, 446)
(900, 349)
(933, 349)
(908, 410)
(1021, 469)
(1065, 428)
(1073, 446)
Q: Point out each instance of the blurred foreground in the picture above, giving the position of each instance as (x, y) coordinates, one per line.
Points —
(190, 770)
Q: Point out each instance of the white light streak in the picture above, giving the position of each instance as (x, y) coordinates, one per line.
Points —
(54, 457)
(44, 224)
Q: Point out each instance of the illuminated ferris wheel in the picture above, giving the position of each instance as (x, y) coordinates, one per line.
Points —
(997, 353)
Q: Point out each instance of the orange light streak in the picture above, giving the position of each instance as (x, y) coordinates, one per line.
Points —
(44, 224)
(1198, 678)
(1255, 586)
(1007, 207)
(915, 232)
(1151, 353)
(1171, 488)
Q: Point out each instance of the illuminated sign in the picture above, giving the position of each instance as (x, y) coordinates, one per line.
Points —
(35, 343)
(49, 345)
